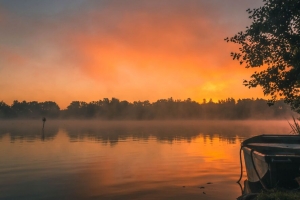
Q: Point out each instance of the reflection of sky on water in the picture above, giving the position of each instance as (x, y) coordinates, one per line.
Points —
(164, 131)
(123, 160)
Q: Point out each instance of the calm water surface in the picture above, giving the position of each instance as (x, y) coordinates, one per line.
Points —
(124, 160)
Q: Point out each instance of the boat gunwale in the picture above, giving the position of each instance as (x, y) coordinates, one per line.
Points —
(268, 138)
(272, 148)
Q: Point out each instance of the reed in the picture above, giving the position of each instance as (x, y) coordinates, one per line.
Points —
(295, 126)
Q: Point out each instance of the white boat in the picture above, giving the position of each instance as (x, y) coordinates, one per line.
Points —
(272, 160)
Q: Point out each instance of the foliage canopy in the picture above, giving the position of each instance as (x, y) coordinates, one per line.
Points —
(272, 42)
(114, 109)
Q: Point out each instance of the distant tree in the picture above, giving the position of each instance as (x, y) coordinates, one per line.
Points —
(74, 109)
(115, 109)
(272, 42)
(22, 109)
(5, 111)
(226, 108)
(91, 110)
(34, 109)
(49, 109)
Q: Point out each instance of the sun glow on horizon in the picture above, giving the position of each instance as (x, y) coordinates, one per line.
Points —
(132, 52)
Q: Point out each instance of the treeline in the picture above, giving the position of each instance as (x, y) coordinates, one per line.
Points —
(114, 109)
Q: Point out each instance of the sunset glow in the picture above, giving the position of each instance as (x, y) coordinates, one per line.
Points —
(131, 50)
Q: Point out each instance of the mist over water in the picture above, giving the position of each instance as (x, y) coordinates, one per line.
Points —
(86, 159)
(97, 130)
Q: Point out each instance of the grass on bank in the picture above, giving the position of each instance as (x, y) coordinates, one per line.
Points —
(278, 195)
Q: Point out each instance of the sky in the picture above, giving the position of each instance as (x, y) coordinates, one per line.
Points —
(134, 50)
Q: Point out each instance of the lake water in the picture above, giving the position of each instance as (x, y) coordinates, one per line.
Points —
(125, 160)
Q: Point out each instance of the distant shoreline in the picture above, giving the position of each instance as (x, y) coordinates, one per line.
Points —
(163, 109)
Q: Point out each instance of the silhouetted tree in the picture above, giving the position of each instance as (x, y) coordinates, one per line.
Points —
(74, 109)
(272, 42)
(21, 108)
(49, 109)
(115, 109)
(6, 111)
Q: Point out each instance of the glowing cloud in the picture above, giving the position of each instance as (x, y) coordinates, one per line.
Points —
(125, 49)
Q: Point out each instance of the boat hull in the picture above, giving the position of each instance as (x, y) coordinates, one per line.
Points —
(273, 160)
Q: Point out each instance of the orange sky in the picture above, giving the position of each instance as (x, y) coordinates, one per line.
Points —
(131, 50)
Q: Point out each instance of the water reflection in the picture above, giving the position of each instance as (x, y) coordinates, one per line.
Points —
(111, 132)
(124, 160)
(29, 131)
